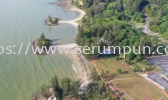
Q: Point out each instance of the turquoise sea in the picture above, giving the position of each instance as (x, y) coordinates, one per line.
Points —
(23, 21)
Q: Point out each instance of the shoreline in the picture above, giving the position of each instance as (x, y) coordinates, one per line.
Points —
(74, 22)
(79, 62)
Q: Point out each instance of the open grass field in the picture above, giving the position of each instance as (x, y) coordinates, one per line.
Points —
(128, 82)
(111, 65)
(157, 68)
(138, 89)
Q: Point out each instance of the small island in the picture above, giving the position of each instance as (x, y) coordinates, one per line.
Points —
(42, 43)
(52, 21)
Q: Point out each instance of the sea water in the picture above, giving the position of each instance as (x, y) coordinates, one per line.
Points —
(23, 21)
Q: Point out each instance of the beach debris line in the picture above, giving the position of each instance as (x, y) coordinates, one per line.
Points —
(65, 5)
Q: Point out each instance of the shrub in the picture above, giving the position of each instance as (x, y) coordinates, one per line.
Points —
(117, 58)
(119, 71)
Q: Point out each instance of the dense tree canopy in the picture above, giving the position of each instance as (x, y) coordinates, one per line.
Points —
(157, 10)
(111, 22)
(42, 41)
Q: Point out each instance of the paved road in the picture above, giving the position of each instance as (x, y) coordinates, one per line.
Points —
(146, 26)
(162, 62)
(147, 21)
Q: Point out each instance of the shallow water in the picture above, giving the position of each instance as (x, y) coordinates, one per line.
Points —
(23, 21)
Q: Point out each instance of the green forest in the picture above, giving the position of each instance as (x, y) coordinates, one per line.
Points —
(68, 89)
(113, 21)
(158, 12)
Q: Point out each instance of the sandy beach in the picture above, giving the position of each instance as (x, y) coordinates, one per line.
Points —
(79, 62)
(74, 21)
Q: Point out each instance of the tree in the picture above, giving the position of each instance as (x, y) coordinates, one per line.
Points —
(94, 76)
(92, 91)
(41, 40)
(42, 37)
(111, 19)
(137, 68)
(123, 98)
(109, 39)
(102, 87)
(105, 36)
(117, 58)
(56, 86)
(119, 71)
(74, 88)
(66, 86)
(130, 56)
(128, 62)
(96, 2)
(55, 83)
(44, 91)
(138, 58)
(109, 97)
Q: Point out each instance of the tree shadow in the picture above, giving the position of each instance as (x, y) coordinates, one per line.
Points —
(112, 75)
(125, 72)
(55, 44)
(54, 40)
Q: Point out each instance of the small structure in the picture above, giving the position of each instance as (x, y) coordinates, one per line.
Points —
(53, 97)
(108, 52)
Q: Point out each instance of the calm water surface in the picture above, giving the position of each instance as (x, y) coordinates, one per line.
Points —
(22, 21)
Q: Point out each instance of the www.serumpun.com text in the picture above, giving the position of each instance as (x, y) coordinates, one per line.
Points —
(86, 49)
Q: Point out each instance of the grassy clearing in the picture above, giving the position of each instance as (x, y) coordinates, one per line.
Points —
(111, 65)
(130, 67)
(138, 89)
(135, 88)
